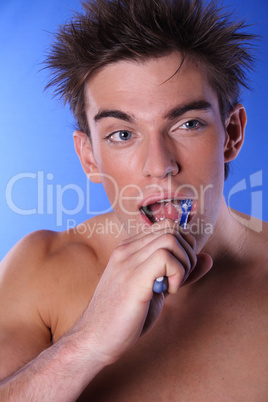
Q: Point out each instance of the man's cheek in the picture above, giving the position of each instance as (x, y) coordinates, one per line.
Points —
(111, 189)
(129, 197)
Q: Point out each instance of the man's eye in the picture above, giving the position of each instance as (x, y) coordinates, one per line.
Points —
(191, 124)
(121, 135)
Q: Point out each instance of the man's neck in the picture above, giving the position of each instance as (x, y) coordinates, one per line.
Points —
(228, 239)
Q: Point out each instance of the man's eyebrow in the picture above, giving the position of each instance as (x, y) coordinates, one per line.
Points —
(116, 114)
(180, 110)
(172, 114)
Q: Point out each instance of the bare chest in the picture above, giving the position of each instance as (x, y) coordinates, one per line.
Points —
(210, 353)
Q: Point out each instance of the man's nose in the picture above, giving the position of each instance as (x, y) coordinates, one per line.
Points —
(160, 159)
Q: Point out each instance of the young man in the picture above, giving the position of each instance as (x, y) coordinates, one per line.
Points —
(155, 89)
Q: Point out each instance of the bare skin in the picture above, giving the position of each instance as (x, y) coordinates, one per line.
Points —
(90, 295)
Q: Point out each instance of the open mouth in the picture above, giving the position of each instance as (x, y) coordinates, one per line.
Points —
(174, 209)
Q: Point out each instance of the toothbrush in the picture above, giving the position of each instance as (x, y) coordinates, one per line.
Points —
(161, 283)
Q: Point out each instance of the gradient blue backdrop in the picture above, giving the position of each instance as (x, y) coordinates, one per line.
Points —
(40, 172)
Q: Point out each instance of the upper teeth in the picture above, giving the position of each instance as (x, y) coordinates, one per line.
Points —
(167, 200)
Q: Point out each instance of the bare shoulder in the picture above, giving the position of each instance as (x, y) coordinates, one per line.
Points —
(35, 256)
(23, 332)
(255, 247)
(46, 283)
(48, 255)
(257, 241)
(24, 260)
(254, 233)
(254, 269)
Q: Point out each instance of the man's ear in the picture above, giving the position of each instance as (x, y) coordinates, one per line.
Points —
(84, 151)
(235, 131)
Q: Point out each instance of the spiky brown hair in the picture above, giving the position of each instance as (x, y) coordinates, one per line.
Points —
(113, 30)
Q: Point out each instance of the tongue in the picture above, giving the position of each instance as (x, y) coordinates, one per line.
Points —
(166, 210)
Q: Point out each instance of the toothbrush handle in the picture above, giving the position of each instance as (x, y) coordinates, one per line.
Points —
(160, 284)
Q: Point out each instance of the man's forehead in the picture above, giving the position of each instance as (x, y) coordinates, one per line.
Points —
(162, 68)
(153, 81)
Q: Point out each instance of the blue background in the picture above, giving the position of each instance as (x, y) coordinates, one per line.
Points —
(36, 131)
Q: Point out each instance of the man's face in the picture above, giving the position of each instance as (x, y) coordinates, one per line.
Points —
(157, 135)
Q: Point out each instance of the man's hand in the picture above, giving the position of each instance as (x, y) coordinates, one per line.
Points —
(124, 304)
